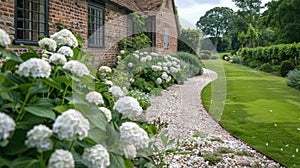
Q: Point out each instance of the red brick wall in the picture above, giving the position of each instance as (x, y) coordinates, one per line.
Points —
(165, 18)
(115, 30)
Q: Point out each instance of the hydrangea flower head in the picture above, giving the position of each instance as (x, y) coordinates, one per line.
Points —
(128, 150)
(71, 124)
(66, 51)
(4, 38)
(57, 58)
(116, 91)
(61, 158)
(132, 134)
(36, 68)
(130, 64)
(48, 43)
(106, 112)
(129, 107)
(94, 97)
(105, 69)
(96, 157)
(164, 76)
(39, 137)
(7, 125)
(77, 68)
(158, 81)
(108, 82)
(65, 38)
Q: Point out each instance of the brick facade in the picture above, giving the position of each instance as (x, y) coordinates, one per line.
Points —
(73, 14)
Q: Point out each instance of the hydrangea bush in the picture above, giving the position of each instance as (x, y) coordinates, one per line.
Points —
(56, 112)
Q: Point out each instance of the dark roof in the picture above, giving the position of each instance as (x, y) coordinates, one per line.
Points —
(140, 5)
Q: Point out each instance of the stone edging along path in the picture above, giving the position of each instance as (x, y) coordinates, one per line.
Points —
(180, 107)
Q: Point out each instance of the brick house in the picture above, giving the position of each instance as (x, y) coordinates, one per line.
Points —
(101, 23)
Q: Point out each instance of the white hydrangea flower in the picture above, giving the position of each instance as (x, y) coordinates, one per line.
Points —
(48, 42)
(149, 58)
(164, 64)
(94, 97)
(143, 59)
(77, 68)
(65, 37)
(156, 68)
(132, 134)
(71, 124)
(174, 63)
(154, 54)
(168, 79)
(66, 50)
(39, 137)
(169, 63)
(61, 158)
(4, 38)
(35, 67)
(105, 69)
(166, 69)
(122, 52)
(136, 56)
(128, 150)
(116, 91)
(96, 157)
(7, 125)
(173, 70)
(106, 112)
(158, 81)
(130, 64)
(129, 107)
(108, 82)
(145, 53)
(164, 76)
(159, 64)
(57, 58)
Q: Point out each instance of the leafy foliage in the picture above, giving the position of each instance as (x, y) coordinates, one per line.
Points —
(285, 67)
(293, 79)
(189, 41)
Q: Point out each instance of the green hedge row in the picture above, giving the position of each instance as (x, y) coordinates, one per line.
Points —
(272, 54)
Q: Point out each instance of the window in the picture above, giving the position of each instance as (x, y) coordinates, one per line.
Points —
(151, 29)
(96, 19)
(31, 20)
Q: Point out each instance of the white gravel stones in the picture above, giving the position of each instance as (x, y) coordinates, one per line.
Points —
(180, 107)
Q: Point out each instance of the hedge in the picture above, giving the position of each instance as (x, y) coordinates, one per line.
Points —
(272, 54)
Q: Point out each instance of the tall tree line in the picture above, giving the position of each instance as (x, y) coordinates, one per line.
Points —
(249, 27)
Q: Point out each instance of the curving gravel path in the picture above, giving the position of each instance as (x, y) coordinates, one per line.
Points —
(202, 140)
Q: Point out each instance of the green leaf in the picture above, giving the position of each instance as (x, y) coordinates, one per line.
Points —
(128, 163)
(97, 135)
(26, 56)
(5, 162)
(164, 139)
(16, 143)
(2, 77)
(61, 109)
(51, 83)
(26, 162)
(11, 55)
(29, 121)
(9, 65)
(116, 161)
(112, 136)
(41, 111)
(149, 165)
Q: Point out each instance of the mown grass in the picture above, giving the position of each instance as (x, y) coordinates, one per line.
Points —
(260, 109)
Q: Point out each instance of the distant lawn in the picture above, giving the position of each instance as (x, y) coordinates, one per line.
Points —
(261, 110)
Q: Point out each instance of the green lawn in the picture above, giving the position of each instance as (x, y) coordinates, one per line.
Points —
(259, 108)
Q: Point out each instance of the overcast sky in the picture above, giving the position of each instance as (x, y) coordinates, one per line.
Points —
(191, 10)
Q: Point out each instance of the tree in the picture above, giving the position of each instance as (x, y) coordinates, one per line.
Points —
(189, 40)
(215, 22)
(283, 16)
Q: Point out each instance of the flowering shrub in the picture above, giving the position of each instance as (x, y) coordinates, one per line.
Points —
(56, 113)
(50, 109)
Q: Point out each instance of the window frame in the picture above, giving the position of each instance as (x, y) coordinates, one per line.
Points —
(100, 7)
(16, 19)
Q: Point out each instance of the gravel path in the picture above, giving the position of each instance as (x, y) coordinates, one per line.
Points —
(204, 142)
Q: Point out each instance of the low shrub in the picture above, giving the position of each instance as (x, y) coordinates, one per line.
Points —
(285, 67)
(293, 79)
(191, 63)
(204, 56)
(254, 64)
(266, 68)
(214, 57)
(237, 59)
